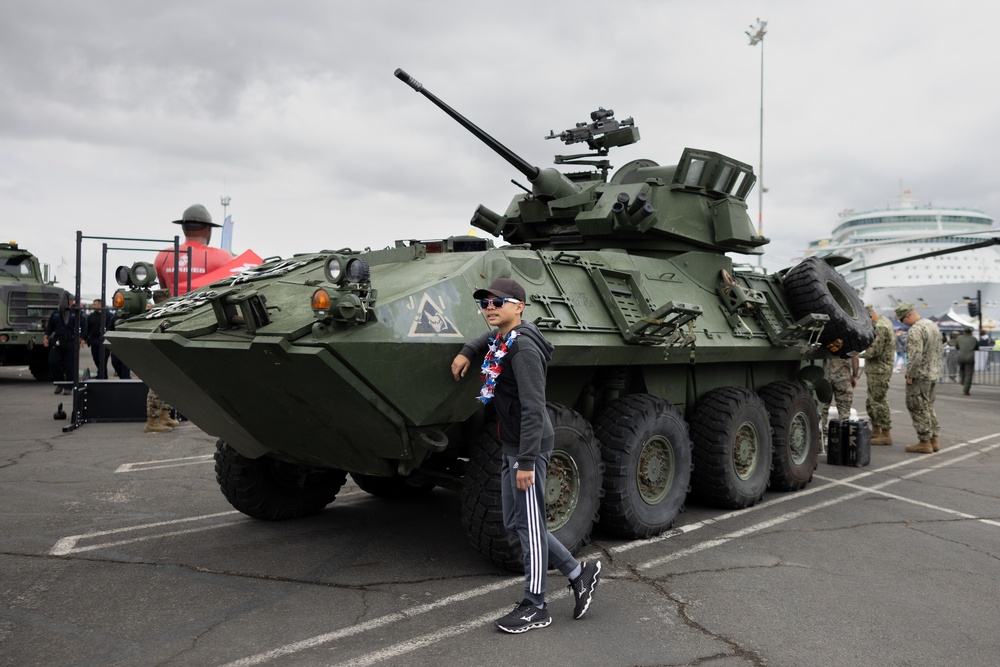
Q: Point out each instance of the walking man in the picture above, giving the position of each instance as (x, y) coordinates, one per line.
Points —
(515, 360)
(878, 368)
(966, 346)
(923, 370)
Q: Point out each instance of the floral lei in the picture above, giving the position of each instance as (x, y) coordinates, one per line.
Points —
(493, 364)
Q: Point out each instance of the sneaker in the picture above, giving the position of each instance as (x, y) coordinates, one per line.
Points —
(585, 586)
(58, 390)
(525, 616)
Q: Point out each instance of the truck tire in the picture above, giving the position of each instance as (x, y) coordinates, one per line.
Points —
(813, 286)
(795, 436)
(731, 435)
(266, 488)
(394, 488)
(572, 490)
(647, 465)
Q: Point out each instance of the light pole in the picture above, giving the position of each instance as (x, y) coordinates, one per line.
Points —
(224, 200)
(756, 35)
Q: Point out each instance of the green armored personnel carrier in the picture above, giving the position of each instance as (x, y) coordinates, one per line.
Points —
(675, 370)
(27, 298)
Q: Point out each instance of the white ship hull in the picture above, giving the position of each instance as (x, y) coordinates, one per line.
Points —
(934, 284)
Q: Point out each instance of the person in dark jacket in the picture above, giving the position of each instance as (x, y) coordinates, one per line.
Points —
(58, 338)
(515, 360)
(98, 322)
(966, 346)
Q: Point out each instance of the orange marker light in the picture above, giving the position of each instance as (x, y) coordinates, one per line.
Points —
(320, 300)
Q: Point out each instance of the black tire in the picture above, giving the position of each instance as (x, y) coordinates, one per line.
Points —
(795, 436)
(394, 488)
(813, 286)
(266, 488)
(731, 435)
(647, 465)
(572, 490)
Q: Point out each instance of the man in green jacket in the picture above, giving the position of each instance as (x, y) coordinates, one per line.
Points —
(923, 370)
(878, 367)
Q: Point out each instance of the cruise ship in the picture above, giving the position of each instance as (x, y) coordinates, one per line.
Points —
(935, 285)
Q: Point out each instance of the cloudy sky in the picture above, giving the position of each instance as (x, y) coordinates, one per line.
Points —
(115, 115)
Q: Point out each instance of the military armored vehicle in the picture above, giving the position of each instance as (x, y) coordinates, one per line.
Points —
(27, 298)
(674, 369)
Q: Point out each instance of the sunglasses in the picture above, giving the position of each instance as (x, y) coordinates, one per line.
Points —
(496, 302)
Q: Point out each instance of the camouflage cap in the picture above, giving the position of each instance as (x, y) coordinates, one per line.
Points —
(870, 308)
(902, 309)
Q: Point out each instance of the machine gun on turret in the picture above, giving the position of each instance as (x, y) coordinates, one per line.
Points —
(603, 133)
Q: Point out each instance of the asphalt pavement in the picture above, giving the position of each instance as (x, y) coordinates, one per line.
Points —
(117, 548)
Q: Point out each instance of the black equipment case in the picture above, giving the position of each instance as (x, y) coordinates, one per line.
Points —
(849, 443)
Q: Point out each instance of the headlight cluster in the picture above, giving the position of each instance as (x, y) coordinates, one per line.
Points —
(140, 274)
(341, 270)
(137, 278)
(352, 276)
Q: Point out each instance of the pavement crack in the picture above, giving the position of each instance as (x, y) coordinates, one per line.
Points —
(682, 606)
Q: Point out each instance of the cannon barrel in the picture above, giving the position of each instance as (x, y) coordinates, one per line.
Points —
(531, 172)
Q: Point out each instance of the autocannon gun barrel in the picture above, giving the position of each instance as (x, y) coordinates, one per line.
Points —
(530, 171)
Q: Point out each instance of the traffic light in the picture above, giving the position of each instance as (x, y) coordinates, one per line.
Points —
(974, 308)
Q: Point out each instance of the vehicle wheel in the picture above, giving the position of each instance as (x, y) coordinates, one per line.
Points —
(795, 436)
(647, 465)
(731, 435)
(572, 490)
(266, 488)
(395, 488)
(813, 286)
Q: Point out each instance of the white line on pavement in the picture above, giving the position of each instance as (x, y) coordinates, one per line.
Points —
(431, 638)
(165, 463)
(67, 545)
(369, 625)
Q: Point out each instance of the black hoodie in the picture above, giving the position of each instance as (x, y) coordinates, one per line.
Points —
(523, 424)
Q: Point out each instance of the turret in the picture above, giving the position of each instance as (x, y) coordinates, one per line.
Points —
(697, 204)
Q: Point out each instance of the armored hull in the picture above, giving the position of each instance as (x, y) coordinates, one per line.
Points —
(673, 368)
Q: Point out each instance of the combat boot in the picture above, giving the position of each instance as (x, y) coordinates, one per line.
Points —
(154, 425)
(165, 418)
(935, 444)
(884, 437)
(922, 447)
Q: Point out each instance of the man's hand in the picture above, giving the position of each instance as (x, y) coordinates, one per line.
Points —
(525, 479)
(459, 366)
(45, 341)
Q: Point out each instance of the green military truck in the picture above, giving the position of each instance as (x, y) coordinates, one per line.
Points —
(27, 298)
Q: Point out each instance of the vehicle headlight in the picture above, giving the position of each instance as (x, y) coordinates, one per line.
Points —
(358, 271)
(334, 269)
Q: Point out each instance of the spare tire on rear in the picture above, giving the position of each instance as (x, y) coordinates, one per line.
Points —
(813, 286)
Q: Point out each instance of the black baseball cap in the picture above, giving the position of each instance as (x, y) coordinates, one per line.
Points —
(507, 288)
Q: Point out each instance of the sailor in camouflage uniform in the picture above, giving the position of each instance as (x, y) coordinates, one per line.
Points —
(843, 375)
(923, 370)
(878, 367)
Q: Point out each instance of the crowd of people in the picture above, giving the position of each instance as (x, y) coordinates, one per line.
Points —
(923, 355)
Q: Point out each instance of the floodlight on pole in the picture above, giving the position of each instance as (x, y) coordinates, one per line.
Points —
(224, 200)
(756, 34)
